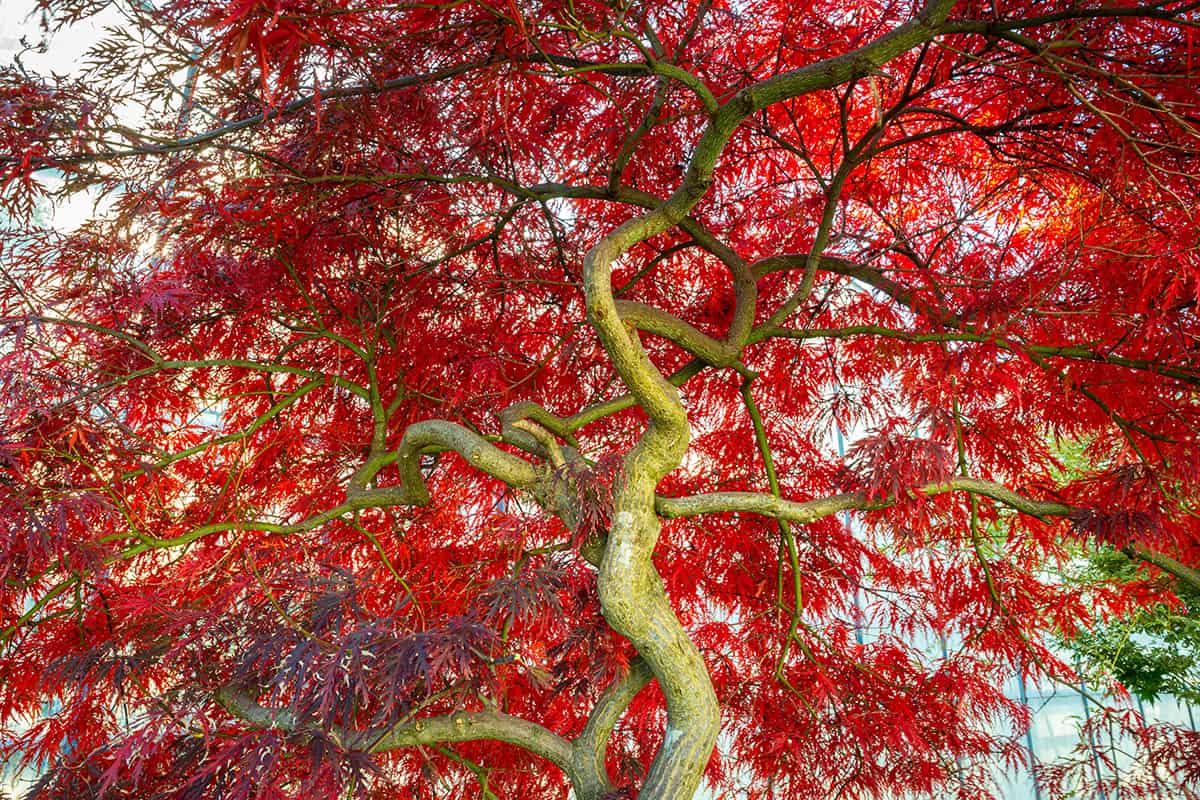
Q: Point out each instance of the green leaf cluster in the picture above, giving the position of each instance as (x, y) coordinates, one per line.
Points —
(1153, 652)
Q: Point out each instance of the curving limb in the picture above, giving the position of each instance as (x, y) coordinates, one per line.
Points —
(923, 27)
(420, 437)
(438, 436)
(590, 748)
(474, 726)
(1182, 572)
(456, 727)
(842, 266)
(565, 427)
(711, 351)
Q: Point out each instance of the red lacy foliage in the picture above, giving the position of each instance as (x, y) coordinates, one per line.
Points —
(370, 214)
(891, 466)
(1126, 504)
(1146, 760)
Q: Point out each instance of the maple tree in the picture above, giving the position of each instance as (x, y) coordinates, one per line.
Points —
(445, 403)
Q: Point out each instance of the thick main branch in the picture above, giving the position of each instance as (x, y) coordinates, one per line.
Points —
(631, 591)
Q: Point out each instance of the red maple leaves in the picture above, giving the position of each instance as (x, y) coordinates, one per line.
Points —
(974, 254)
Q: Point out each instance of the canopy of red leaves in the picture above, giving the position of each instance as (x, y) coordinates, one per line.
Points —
(336, 218)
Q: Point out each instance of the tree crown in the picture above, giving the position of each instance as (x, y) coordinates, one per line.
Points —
(453, 388)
